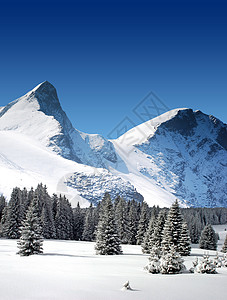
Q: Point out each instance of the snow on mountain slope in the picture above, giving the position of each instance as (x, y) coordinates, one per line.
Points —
(179, 154)
(33, 129)
(23, 162)
(39, 115)
(183, 152)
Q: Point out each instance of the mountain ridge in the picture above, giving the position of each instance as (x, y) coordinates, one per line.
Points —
(175, 155)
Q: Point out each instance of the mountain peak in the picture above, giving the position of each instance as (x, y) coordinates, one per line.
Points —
(46, 95)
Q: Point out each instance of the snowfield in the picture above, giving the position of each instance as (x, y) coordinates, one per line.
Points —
(71, 270)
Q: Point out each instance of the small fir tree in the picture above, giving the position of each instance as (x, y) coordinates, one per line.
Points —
(205, 265)
(208, 239)
(224, 248)
(147, 241)
(156, 237)
(78, 223)
(31, 233)
(121, 218)
(143, 223)
(107, 239)
(172, 228)
(184, 247)
(171, 262)
(14, 215)
(89, 225)
(154, 260)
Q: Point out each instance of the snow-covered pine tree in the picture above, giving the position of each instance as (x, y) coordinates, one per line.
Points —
(107, 239)
(217, 261)
(184, 246)
(171, 262)
(143, 223)
(89, 225)
(172, 228)
(14, 215)
(205, 265)
(78, 223)
(121, 218)
(132, 222)
(147, 240)
(156, 237)
(208, 239)
(31, 232)
(224, 247)
(2, 205)
(154, 260)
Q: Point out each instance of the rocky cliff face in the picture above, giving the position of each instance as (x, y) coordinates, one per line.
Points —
(187, 156)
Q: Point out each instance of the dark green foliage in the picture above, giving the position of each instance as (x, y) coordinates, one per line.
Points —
(208, 239)
(156, 237)
(64, 219)
(2, 205)
(78, 216)
(143, 223)
(132, 222)
(184, 246)
(147, 241)
(14, 215)
(224, 247)
(121, 218)
(107, 239)
(172, 228)
(89, 225)
(31, 233)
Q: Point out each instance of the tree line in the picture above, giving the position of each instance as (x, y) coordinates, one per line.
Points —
(135, 221)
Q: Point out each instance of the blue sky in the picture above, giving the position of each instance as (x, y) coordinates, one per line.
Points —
(104, 57)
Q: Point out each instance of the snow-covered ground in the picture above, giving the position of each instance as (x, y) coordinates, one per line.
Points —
(71, 270)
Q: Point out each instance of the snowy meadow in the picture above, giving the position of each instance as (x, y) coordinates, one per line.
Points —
(72, 270)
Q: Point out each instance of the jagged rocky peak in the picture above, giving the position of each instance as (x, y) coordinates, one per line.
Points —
(183, 122)
(46, 95)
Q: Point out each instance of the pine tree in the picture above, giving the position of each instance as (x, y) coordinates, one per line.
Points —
(224, 248)
(121, 218)
(205, 265)
(156, 237)
(78, 223)
(154, 260)
(143, 223)
(132, 222)
(107, 239)
(171, 262)
(64, 219)
(208, 239)
(31, 233)
(2, 205)
(14, 215)
(172, 228)
(89, 225)
(184, 247)
(147, 241)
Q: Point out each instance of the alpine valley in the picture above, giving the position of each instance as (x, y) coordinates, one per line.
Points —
(179, 154)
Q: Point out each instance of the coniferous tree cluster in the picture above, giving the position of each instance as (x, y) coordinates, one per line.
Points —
(55, 214)
(167, 231)
(136, 223)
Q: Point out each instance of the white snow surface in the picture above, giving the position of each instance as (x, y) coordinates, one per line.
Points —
(70, 270)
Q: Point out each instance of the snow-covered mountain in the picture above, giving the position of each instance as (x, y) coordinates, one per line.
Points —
(179, 154)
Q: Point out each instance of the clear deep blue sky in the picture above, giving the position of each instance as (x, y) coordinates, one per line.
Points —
(103, 57)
